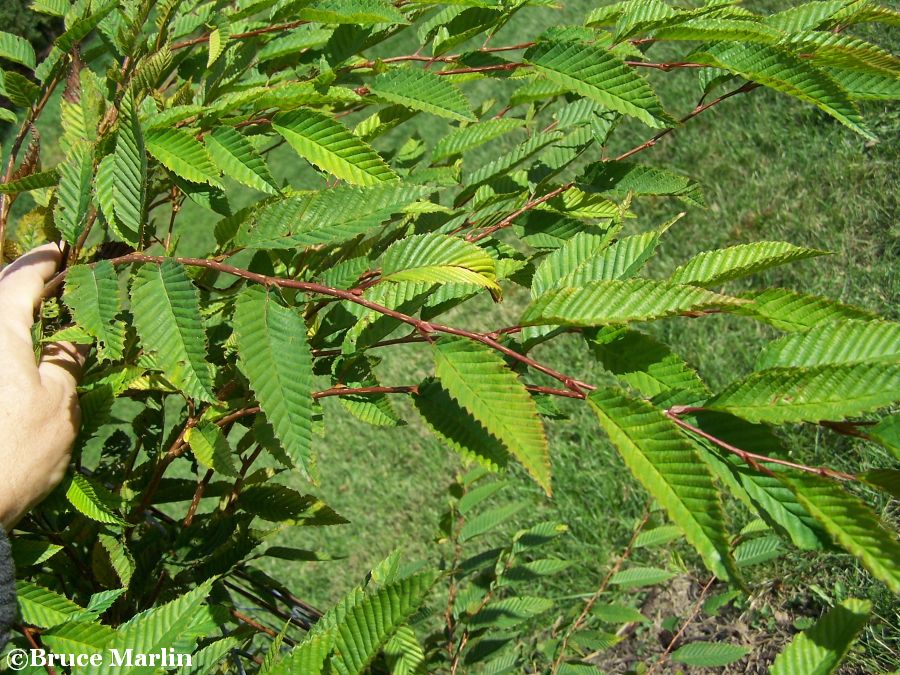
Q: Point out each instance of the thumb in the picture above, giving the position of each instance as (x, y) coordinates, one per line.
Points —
(60, 368)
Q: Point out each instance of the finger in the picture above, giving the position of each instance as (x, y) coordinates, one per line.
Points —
(21, 289)
(60, 369)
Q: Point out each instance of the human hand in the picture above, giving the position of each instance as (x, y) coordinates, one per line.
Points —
(39, 415)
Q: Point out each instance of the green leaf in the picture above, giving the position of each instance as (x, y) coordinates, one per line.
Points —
(93, 501)
(456, 427)
(293, 42)
(657, 536)
(211, 448)
(274, 355)
(887, 433)
(820, 650)
(326, 217)
(837, 342)
(217, 44)
(712, 268)
(578, 251)
(166, 308)
(775, 503)
(599, 75)
(667, 466)
(806, 16)
(616, 614)
(438, 258)
(487, 521)
(120, 559)
(843, 51)
(775, 67)
(510, 612)
(35, 181)
(759, 550)
(106, 197)
(236, 157)
(73, 198)
(22, 92)
(791, 311)
(92, 295)
(78, 637)
(30, 552)
(41, 607)
(531, 571)
(709, 654)
(502, 164)
(363, 631)
(477, 378)
(827, 392)
(475, 496)
(102, 601)
(182, 154)
(644, 363)
(595, 641)
(173, 626)
(715, 28)
(281, 504)
(467, 138)
(637, 577)
(621, 260)
(204, 661)
(328, 145)
(17, 49)
(852, 524)
(374, 409)
(423, 90)
(76, 31)
(642, 15)
(362, 12)
(620, 301)
(622, 178)
(404, 654)
(867, 86)
(308, 657)
(128, 174)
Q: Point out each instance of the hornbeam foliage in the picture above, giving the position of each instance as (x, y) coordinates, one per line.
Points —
(261, 197)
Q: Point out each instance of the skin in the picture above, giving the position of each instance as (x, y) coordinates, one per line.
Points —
(39, 415)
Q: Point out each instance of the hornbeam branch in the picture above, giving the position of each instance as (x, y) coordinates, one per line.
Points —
(506, 222)
(238, 36)
(753, 459)
(423, 327)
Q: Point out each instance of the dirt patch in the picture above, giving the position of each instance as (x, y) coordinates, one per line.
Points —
(765, 635)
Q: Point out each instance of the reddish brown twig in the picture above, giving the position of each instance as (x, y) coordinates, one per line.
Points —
(753, 459)
(253, 624)
(748, 86)
(483, 69)
(174, 452)
(424, 327)
(239, 36)
(643, 146)
(687, 622)
(198, 495)
(666, 67)
(506, 222)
